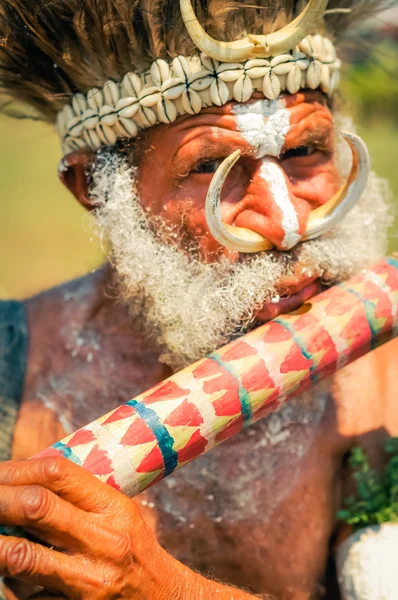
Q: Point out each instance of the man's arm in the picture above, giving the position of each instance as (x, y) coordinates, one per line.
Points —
(96, 543)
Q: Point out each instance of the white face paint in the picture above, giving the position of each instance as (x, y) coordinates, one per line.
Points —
(264, 125)
(274, 176)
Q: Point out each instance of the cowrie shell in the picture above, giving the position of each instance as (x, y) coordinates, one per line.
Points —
(200, 81)
(167, 110)
(181, 67)
(219, 92)
(334, 82)
(330, 50)
(107, 115)
(281, 64)
(257, 68)
(79, 103)
(61, 123)
(78, 143)
(301, 61)
(229, 71)
(314, 75)
(293, 80)
(131, 85)
(305, 46)
(271, 86)
(92, 139)
(325, 78)
(95, 99)
(69, 113)
(243, 89)
(75, 128)
(111, 93)
(127, 107)
(106, 134)
(126, 128)
(210, 64)
(173, 88)
(73, 144)
(147, 116)
(191, 102)
(66, 148)
(160, 72)
(149, 96)
(319, 49)
(90, 118)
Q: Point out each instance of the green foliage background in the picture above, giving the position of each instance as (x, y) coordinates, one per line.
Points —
(44, 235)
(376, 498)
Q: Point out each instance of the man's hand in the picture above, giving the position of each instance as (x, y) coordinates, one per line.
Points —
(97, 545)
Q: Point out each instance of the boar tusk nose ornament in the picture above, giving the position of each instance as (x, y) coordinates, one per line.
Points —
(321, 219)
(254, 46)
(330, 214)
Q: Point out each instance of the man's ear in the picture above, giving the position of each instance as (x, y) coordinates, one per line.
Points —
(74, 172)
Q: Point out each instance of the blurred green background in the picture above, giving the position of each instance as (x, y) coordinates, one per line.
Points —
(44, 234)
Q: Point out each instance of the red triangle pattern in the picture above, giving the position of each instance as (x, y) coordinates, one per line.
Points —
(168, 390)
(49, 452)
(111, 481)
(224, 381)
(138, 433)
(295, 361)
(152, 462)
(275, 333)
(84, 436)
(98, 462)
(228, 405)
(206, 368)
(123, 412)
(186, 414)
(237, 351)
(257, 378)
(195, 447)
(231, 430)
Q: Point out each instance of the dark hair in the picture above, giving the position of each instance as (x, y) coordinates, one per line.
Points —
(50, 49)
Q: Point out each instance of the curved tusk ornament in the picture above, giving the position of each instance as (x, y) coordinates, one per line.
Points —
(254, 46)
(239, 239)
(330, 214)
(321, 220)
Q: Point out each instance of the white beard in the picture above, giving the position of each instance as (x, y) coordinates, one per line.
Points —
(189, 308)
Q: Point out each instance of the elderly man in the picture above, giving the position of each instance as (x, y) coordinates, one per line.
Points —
(155, 114)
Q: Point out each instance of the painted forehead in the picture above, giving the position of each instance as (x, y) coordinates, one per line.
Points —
(264, 126)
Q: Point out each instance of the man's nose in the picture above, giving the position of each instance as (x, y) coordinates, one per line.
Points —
(270, 208)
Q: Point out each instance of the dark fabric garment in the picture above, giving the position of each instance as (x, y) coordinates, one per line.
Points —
(13, 360)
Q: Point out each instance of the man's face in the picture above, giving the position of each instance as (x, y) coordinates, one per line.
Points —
(192, 295)
(287, 169)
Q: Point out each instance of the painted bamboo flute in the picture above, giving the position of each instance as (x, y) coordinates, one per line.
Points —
(159, 431)
(166, 427)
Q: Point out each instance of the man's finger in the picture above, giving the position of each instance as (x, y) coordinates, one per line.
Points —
(37, 565)
(46, 515)
(62, 477)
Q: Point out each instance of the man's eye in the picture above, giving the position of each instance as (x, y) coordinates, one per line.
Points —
(208, 166)
(298, 152)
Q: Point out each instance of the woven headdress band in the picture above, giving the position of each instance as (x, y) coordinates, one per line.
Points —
(187, 86)
(284, 61)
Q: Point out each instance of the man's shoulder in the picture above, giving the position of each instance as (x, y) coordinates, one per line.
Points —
(366, 393)
(86, 357)
(74, 323)
(73, 299)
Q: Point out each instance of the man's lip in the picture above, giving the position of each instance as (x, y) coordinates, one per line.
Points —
(289, 303)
